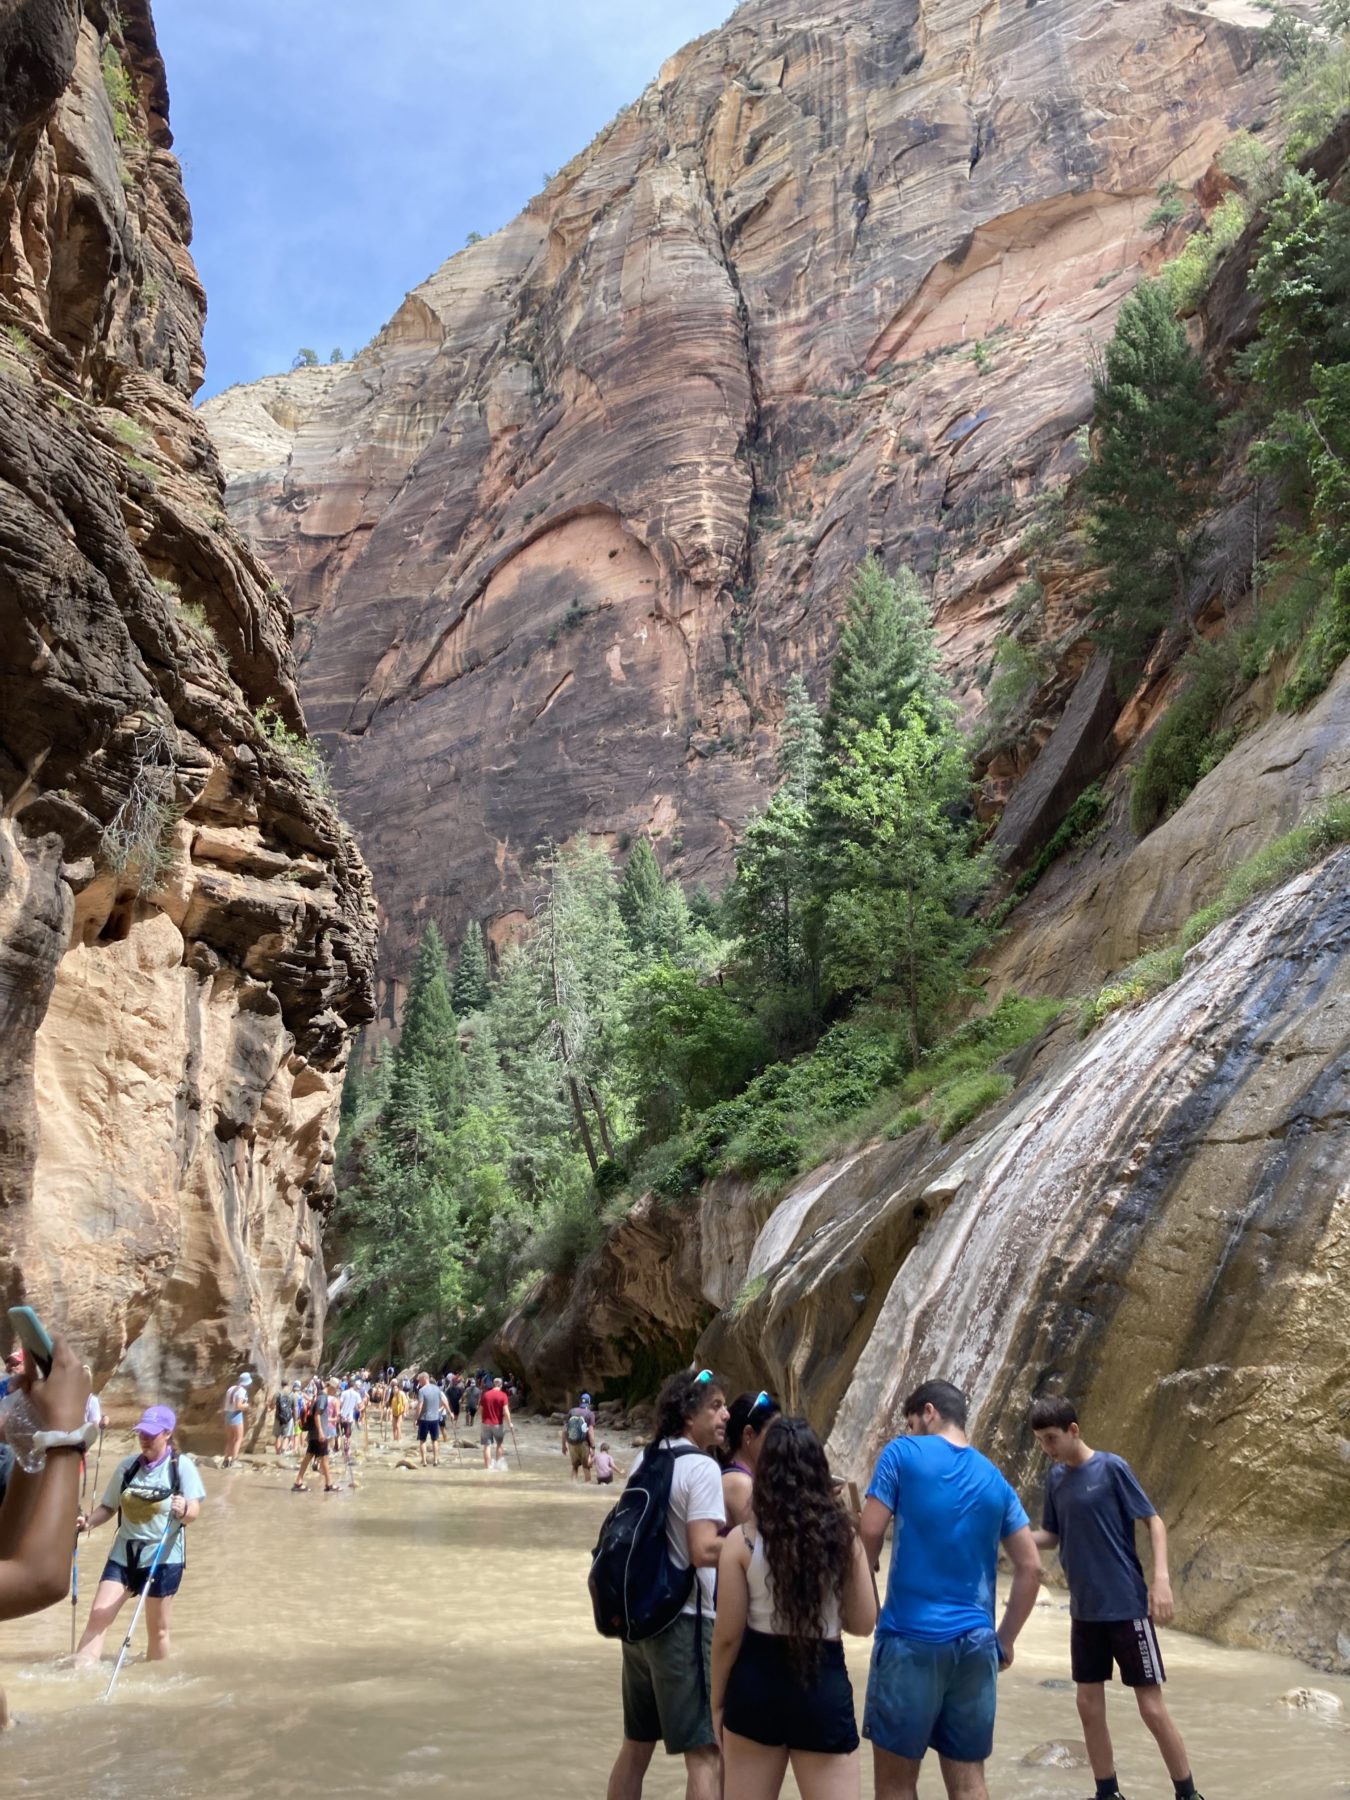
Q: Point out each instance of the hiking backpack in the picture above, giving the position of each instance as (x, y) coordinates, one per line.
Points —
(636, 1589)
(577, 1427)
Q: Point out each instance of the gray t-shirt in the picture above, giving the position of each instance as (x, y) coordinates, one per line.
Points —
(430, 1402)
(1092, 1511)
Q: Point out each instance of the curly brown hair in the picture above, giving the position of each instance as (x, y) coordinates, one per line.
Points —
(808, 1535)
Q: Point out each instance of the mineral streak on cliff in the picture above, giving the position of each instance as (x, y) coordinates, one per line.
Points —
(556, 539)
(186, 928)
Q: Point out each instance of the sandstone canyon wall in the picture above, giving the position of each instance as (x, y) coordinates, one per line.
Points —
(557, 537)
(186, 928)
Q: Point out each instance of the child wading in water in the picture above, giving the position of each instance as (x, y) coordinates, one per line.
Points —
(1092, 1500)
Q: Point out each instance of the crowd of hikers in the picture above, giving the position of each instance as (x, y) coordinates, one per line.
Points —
(324, 1414)
(734, 1564)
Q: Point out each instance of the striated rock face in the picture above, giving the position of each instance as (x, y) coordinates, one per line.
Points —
(186, 928)
(1157, 1222)
(556, 539)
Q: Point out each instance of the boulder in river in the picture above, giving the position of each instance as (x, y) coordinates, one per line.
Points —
(1313, 1700)
(1058, 1753)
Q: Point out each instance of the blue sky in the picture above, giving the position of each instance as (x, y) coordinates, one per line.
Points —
(335, 153)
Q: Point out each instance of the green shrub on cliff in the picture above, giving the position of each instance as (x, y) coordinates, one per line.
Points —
(121, 97)
(1322, 830)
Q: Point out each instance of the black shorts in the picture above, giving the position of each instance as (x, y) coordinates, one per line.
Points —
(316, 1446)
(428, 1428)
(1132, 1643)
(164, 1585)
(768, 1702)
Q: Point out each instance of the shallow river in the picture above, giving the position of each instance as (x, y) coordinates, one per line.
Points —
(431, 1630)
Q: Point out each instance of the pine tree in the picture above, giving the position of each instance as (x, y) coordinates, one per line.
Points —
(429, 1041)
(472, 987)
(887, 654)
(1154, 438)
(898, 912)
(799, 742)
(642, 899)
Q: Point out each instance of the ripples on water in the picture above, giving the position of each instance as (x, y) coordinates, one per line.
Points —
(432, 1631)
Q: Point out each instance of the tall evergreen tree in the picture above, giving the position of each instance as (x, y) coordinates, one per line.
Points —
(429, 1040)
(641, 898)
(799, 742)
(654, 910)
(898, 911)
(471, 988)
(1154, 439)
(887, 655)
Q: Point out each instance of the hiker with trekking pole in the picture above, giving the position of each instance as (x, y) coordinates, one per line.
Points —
(154, 1494)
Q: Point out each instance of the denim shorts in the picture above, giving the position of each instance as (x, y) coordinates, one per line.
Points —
(934, 1696)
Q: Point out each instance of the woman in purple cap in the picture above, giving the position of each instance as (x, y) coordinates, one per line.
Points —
(153, 1493)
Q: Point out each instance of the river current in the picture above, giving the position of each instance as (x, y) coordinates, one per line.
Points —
(431, 1631)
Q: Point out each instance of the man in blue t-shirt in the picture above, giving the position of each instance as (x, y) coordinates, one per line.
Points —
(1092, 1502)
(937, 1657)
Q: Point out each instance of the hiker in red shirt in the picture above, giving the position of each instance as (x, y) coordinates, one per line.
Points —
(496, 1417)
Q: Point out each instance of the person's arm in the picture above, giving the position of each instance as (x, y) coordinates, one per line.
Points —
(1045, 1540)
(100, 1516)
(858, 1607)
(733, 1606)
(506, 1415)
(36, 1571)
(705, 1546)
(1026, 1581)
(876, 1516)
(1161, 1608)
(737, 1489)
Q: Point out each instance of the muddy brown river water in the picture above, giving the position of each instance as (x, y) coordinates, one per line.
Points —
(431, 1632)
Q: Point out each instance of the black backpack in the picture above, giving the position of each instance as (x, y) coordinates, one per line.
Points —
(636, 1590)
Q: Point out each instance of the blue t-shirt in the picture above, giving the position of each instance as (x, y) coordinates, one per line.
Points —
(952, 1510)
(1092, 1510)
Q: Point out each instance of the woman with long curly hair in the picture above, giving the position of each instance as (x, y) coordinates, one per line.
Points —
(790, 1580)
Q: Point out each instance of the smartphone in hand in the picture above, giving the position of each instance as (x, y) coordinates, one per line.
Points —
(32, 1334)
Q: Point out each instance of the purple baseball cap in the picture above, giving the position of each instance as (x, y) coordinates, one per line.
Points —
(156, 1419)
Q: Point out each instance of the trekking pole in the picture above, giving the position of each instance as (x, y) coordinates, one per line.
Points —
(98, 1459)
(170, 1529)
(514, 1444)
(75, 1553)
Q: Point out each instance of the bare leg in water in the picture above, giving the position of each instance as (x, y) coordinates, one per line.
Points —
(703, 1772)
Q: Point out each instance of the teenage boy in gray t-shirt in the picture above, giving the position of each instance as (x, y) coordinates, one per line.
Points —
(1092, 1503)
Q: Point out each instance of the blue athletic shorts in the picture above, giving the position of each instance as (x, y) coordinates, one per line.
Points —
(933, 1696)
(168, 1576)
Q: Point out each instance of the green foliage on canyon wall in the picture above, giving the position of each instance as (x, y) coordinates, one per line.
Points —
(628, 1041)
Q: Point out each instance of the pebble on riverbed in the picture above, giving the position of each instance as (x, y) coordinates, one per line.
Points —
(1058, 1753)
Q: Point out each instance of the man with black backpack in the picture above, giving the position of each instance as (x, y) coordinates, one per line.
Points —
(653, 1584)
(578, 1441)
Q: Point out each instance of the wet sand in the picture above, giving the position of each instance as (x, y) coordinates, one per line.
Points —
(432, 1631)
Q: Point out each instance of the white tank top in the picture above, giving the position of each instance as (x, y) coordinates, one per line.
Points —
(761, 1614)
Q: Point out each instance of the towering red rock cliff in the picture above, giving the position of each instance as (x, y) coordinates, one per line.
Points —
(186, 928)
(556, 539)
